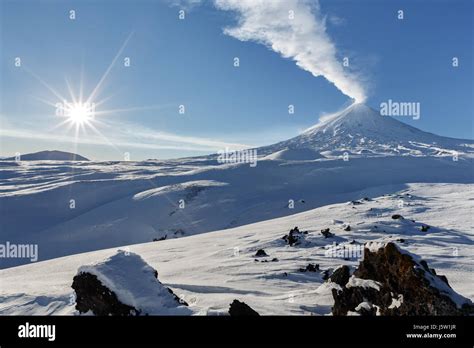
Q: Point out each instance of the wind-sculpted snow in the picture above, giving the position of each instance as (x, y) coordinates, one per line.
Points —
(81, 209)
(68, 209)
(210, 270)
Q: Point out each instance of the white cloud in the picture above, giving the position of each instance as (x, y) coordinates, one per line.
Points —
(303, 38)
(336, 20)
(122, 135)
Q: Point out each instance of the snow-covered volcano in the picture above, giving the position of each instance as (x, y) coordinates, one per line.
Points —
(361, 131)
(72, 207)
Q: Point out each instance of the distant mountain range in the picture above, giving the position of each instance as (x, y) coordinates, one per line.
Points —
(49, 156)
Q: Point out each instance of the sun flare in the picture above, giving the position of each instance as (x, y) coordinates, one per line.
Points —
(80, 113)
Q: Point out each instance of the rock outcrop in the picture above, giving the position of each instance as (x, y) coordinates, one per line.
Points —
(390, 281)
(295, 237)
(124, 285)
(341, 275)
(238, 308)
(261, 253)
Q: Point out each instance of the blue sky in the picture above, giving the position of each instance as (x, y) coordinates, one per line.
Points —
(190, 62)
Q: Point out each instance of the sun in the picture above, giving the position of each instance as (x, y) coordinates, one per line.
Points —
(79, 113)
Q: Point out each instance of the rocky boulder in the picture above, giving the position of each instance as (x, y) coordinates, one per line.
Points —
(124, 285)
(238, 308)
(391, 281)
(261, 253)
(341, 275)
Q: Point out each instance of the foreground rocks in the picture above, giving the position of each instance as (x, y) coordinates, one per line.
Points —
(341, 275)
(325, 232)
(92, 295)
(390, 281)
(261, 253)
(295, 237)
(311, 267)
(238, 308)
(124, 285)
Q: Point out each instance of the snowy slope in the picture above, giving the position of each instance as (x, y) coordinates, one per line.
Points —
(73, 207)
(135, 203)
(210, 270)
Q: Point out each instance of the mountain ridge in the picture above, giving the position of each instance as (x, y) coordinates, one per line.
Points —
(49, 155)
(359, 130)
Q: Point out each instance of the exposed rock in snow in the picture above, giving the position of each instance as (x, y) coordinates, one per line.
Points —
(261, 253)
(124, 284)
(325, 232)
(311, 267)
(341, 275)
(390, 281)
(206, 271)
(238, 308)
(295, 237)
(93, 297)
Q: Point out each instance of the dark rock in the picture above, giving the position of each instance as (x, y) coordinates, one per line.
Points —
(401, 240)
(91, 295)
(444, 279)
(325, 232)
(238, 308)
(425, 228)
(411, 284)
(162, 238)
(341, 275)
(261, 253)
(275, 259)
(123, 271)
(295, 237)
(424, 264)
(397, 216)
(347, 228)
(312, 267)
(177, 299)
(356, 202)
